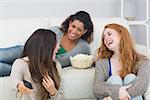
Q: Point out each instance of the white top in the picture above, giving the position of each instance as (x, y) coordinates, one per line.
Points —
(20, 71)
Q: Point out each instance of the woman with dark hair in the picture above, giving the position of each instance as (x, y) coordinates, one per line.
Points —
(36, 74)
(121, 73)
(73, 37)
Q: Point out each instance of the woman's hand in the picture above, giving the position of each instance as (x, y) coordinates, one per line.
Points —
(123, 94)
(23, 89)
(49, 85)
(107, 98)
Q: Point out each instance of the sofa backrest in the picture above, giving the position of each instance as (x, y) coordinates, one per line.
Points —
(16, 31)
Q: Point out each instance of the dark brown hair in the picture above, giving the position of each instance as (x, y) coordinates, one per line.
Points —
(39, 49)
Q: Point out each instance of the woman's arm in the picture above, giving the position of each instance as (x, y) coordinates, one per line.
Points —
(19, 69)
(100, 87)
(141, 82)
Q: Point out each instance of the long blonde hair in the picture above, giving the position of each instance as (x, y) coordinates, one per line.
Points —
(128, 56)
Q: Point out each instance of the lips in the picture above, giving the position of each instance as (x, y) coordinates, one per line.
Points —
(109, 42)
(72, 35)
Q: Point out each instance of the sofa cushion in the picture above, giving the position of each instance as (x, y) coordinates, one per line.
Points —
(6, 90)
(78, 83)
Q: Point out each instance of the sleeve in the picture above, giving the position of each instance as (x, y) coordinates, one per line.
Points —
(141, 83)
(55, 29)
(17, 73)
(100, 87)
(59, 95)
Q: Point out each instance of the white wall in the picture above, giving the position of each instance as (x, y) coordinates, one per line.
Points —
(57, 8)
(63, 8)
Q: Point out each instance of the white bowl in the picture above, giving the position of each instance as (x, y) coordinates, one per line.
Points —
(82, 61)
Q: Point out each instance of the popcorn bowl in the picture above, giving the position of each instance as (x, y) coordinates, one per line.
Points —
(82, 61)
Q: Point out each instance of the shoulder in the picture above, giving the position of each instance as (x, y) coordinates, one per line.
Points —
(144, 63)
(20, 65)
(55, 29)
(105, 60)
(22, 60)
(102, 63)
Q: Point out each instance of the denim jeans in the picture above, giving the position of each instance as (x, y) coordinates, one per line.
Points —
(7, 57)
(127, 80)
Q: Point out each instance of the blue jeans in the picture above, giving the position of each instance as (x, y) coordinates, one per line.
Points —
(127, 80)
(7, 57)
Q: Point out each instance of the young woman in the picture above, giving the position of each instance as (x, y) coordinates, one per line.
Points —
(121, 73)
(36, 74)
(74, 36)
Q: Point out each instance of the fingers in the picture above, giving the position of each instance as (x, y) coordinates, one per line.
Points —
(47, 82)
(107, 98)
(126, 96)
(129, 97)
(128, 86)
(49, 85)
(23, 89)
(123, 94)
(48, 79)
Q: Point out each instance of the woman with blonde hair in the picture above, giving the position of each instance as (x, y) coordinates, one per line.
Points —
(121, 73)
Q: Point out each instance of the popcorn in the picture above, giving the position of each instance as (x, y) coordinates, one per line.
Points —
(82, 61)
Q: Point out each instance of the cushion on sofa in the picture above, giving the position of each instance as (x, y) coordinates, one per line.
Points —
(78, 83)
(6, 90)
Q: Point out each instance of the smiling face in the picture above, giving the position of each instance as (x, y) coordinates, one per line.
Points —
(111, 39)
(75, 30)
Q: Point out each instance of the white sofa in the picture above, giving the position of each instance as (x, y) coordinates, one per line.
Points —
(77, 83)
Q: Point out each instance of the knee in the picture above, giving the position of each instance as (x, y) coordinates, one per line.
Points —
(129, 78)
(5, 69)
(115, 79)
(8, 55)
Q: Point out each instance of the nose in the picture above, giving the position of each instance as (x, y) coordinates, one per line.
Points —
(74, 30)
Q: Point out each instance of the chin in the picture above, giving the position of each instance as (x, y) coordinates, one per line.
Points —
(73, 39)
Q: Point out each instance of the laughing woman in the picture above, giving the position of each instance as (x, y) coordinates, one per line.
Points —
(121, 73)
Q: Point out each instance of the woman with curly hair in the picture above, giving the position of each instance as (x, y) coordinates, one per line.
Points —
(74, 36)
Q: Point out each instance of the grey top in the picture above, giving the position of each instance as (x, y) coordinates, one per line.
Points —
(81, 47)
(103, 89)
